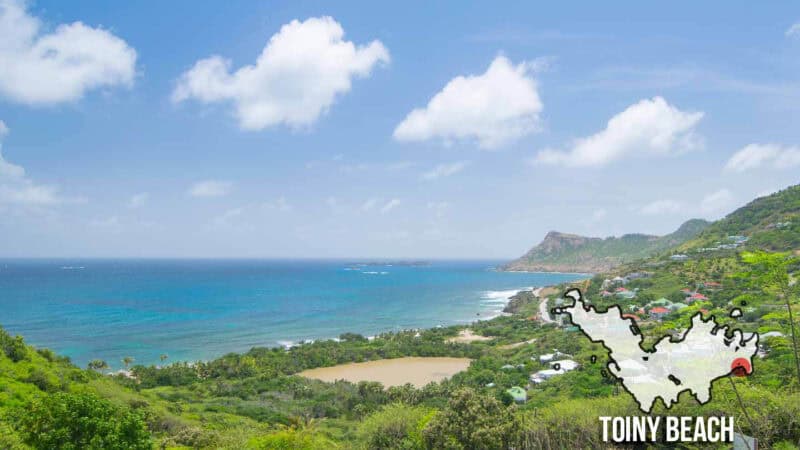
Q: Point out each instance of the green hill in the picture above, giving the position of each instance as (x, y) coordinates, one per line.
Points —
(770, 223)
(561, 252)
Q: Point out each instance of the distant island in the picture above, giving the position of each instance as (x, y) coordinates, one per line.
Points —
(563, 252)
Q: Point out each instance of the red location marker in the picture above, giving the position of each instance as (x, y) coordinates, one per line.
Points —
(740, 367)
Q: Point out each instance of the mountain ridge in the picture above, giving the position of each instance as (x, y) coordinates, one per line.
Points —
(567, 252)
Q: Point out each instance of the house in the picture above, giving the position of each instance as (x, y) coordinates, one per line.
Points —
(679, 257)
(544, 375)
(696, 297)
(606, 294)
(626, 294)
(658, 312)
(565, 365)
(712, 285)
(619, 280)
(518, 394)
(620, 289)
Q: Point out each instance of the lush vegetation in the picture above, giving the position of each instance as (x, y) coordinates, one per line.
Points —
(256, 400)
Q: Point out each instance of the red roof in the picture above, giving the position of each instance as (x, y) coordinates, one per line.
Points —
(698, 296)
(659, 310)
(621, 289)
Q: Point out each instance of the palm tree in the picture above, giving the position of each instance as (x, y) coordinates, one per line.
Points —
(98, 365)
(127, 361)
(163, 357)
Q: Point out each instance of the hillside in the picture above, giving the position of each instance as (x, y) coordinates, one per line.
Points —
(561, 252)
(769, 223)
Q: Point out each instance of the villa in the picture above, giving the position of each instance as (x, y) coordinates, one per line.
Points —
(658, 312)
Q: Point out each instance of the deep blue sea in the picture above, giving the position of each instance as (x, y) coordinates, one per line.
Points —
(200, 309)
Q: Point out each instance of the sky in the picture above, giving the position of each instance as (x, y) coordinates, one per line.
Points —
(374, 130)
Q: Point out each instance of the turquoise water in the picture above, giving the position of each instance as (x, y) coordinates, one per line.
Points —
(201, 309)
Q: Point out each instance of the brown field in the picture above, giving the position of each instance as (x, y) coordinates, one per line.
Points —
(392, 372)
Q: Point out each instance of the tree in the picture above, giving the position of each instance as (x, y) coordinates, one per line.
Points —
(394, 426)
(127, 361)
(81, 421)
(163, 357)
(769, 273)
(97, 364)
(472, 420)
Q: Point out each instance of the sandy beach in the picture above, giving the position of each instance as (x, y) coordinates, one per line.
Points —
(392, 372)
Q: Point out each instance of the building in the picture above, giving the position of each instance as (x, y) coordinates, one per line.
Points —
(658, 312)
(518, 394)
(679, 257)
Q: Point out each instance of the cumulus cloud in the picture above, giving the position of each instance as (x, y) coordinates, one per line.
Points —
(793, 31)
(210, 188)
(17, 189)
(444, 170)
(295, 79)
(494, 108)
(649, 127)
(661, 207)
(41, 68)
(754, 156)
(138, 200)
(390, 205)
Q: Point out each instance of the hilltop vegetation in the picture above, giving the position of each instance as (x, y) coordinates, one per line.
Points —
(771, 223)
(561, 252)
(254, 400)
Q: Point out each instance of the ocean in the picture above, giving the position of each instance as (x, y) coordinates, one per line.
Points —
(201, 309)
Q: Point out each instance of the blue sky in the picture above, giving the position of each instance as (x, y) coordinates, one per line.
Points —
(376, 130)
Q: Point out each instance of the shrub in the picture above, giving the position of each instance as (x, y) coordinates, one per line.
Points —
(395, 426)
(81, 421)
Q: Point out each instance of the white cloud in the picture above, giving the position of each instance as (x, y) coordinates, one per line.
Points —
(716, 202)
(369, 204)
(649, 127)
(754, 156)
(138, 200)
(294, 80)
(210, 188)
(390, 205)
(445, 170)
(17, 189)
(40, 68)
(494, 109)
(793, 31)
(661, 207)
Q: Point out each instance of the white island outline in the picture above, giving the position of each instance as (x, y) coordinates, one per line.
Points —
(692, 362)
